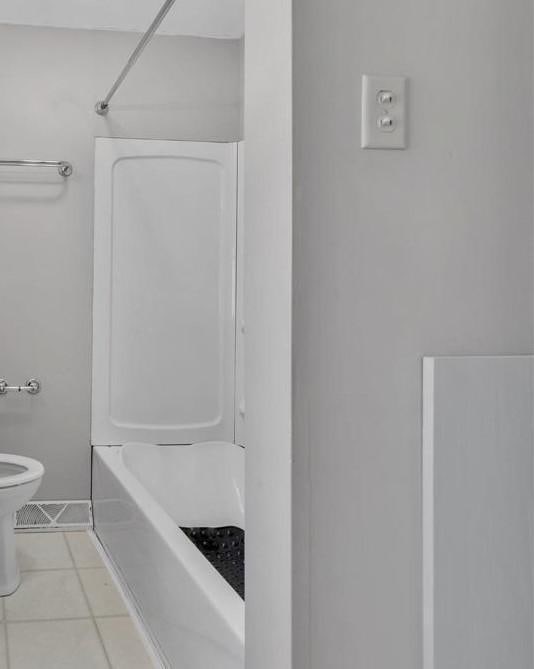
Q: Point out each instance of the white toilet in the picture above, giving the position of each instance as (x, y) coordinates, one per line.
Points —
(20, 478)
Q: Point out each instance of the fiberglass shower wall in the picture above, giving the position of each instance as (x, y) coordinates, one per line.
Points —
(164, 292)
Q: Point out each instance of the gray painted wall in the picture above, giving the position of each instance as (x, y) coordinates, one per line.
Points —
(183, 88)
(396, 255)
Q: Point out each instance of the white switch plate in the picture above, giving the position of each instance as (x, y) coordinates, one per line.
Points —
(383, 123)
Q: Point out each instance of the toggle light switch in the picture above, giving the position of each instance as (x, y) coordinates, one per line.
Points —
(384, 115)
(386, 123)
(386, 98)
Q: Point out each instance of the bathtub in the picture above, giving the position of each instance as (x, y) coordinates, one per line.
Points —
(142, 494)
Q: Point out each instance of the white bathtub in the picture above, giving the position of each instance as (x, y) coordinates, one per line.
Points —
(141, 495)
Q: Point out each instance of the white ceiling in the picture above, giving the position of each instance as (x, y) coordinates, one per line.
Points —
(204, 18)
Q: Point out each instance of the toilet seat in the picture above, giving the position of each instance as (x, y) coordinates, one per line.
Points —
(16, 470)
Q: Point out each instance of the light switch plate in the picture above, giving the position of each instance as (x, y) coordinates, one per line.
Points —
(384, 112)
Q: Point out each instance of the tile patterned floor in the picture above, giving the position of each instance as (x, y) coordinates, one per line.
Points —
(67, 612)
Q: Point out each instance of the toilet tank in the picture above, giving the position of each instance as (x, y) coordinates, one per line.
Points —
(164, 292)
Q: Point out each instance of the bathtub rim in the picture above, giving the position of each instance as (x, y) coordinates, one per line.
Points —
(221, 595)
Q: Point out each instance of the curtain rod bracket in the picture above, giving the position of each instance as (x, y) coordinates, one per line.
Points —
(102, 107)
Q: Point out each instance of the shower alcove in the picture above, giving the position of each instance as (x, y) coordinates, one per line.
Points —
(166, 463)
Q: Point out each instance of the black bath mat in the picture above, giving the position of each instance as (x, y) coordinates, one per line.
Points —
(224, 547)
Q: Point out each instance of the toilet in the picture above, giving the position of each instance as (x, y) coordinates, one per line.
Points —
(20, 479)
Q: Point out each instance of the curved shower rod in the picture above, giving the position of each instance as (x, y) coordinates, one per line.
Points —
(102, 106)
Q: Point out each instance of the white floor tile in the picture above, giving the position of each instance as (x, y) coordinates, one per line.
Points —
(101, 592)
(123, 644)
(83, 550)
(49, 623)
(47, 595)
(45, 550)
(65, 644)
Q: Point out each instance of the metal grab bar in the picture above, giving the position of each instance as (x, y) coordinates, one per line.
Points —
(33, 387)
(63, 167)
(102, 107)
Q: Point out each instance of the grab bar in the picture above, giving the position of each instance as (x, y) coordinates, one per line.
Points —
(63, 167)
(33, 387)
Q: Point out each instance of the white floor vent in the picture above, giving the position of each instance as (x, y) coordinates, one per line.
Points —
(55, 515)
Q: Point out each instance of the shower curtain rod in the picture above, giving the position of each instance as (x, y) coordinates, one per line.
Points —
(102, 107)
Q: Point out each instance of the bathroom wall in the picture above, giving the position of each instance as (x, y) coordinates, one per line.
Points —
(396, 255)
(202, 18)
(182, 88)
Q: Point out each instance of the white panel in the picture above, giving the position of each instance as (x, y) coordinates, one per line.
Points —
(478, 502)
(164, 322)
(240, 403)
(204, 18)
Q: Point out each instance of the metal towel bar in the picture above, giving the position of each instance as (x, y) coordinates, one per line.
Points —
(63, 167)
(33, 387)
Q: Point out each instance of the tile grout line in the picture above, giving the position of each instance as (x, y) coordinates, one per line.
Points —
(6, 639)
(74, 568)
(32, 621)
(106, 616)
(104, 650)
(41, 571)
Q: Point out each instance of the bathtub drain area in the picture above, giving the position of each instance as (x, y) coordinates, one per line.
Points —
(224, 547)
